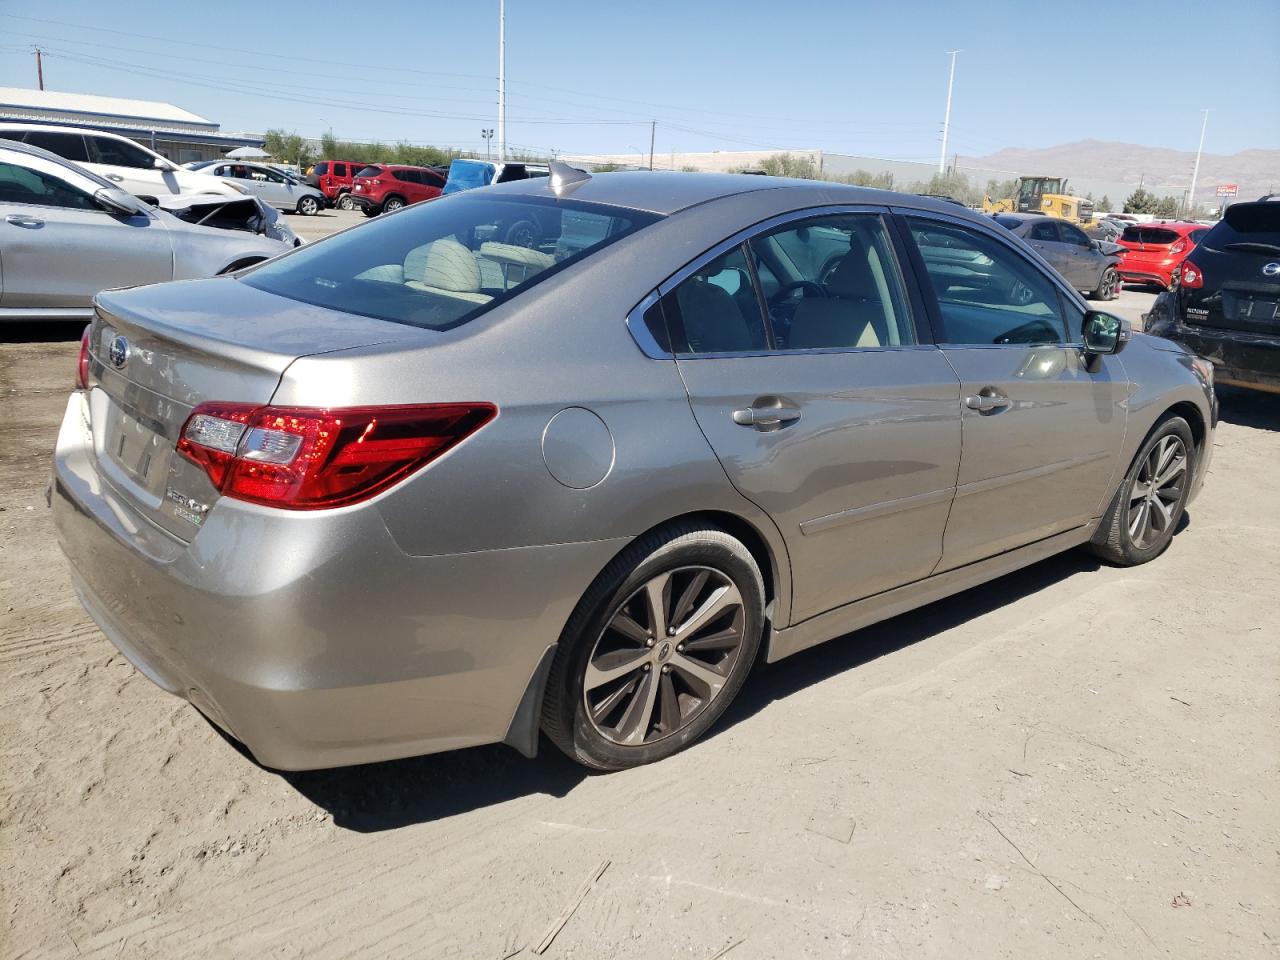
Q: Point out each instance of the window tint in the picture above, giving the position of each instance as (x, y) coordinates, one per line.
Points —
(432, 179)
(440, 264)
(369, 172)
(118, 153)
(716, 310)
(1249, 223)
(986, 292)
(1148, 235)
(1071, 234)
(67, 145)
(837, 285)
(405, 176)
(20, 184)
(1045, 230)
(339, 170)
(320, 168)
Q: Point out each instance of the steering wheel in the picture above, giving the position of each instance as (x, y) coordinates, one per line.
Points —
(788, 288)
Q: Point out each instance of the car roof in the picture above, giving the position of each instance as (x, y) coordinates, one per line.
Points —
(20, 147)
(1024, 217)
(57, 128)
(666, 192)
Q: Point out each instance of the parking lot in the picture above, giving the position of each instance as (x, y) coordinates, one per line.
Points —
(1072, 761)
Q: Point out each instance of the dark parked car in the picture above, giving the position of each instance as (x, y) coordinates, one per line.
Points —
(1225, 304)
(1088, 265)
(386, 187)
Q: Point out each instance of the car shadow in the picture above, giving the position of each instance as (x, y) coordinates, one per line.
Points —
(1249, 408)
(385, 796)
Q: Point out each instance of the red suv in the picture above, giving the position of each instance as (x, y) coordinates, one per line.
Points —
(1153, 251)
(333, 179)
(390, 186)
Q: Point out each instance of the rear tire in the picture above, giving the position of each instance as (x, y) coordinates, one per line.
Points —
(1140, 522)
(1108, 285)
(655, 688)
(308, 206)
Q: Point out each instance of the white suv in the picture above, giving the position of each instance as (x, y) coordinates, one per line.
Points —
(130, 166)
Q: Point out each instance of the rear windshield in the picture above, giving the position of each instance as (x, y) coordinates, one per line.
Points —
(1148, 235)
(368, 171)
(443, 263)
(1257, 224)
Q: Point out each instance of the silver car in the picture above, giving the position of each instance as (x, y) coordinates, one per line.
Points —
(275, 187)
(1087, 264)
(413, 488)
(66, 234)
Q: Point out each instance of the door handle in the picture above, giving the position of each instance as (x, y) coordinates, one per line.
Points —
(116, 177)
(767, 413)
(18, 220)
(985, 402)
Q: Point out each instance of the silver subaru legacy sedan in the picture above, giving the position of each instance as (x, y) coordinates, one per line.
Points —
(414, 488)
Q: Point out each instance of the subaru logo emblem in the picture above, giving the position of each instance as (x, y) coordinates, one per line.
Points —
(118, 352)
(1271, 269)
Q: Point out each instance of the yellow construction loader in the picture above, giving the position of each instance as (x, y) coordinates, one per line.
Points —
(1047, 195)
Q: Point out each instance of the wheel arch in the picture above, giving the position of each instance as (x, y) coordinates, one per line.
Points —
(240, 264)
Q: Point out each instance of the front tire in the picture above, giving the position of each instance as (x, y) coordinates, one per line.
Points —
(656, 650)
(308, 206)
(345, 202)
(1146, 510)
(392, 204)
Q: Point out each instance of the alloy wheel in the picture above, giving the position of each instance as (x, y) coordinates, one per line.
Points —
(345, 202)
(1108, 284)
(665, 654)
(392, 206)
(1157, 491)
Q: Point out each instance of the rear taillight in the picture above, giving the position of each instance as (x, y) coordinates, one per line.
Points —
(376, 182)
(1189, 276)
(304, 458)
(82, 364)
(1178, 247)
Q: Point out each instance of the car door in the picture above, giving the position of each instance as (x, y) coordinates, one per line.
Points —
(1044, 239)
(825, 405)
(130, 167)
(275, 188)
(1042, 425)
(61, 247)
(1084, 262)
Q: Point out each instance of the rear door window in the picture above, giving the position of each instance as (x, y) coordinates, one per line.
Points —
(1045, 231)
(69, 146)
(443, 264)
(716, 309)
(118, 153)
(369, 172)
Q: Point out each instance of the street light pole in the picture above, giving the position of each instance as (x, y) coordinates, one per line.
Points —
(653, 132)
(946, 123)
(502, 79)
(487, 134)
(1195, 171)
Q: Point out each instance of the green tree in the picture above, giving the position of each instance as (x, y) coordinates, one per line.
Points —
(287, 147)
(1166, 208)
(1002, 189)
(1103, 205)
(790, 165)
(865, 178)
(1140, 201)
(328, 144)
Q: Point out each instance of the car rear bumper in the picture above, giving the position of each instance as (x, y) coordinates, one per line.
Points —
(1146, 271)
(312, 638)
(1239, 358)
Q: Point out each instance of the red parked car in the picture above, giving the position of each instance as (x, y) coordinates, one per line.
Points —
(390, 186)
(333, 179)
(1153, 251)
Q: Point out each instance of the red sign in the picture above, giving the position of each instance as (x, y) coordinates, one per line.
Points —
(1228, 189)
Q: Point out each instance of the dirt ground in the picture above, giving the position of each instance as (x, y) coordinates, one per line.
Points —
(1074, 761)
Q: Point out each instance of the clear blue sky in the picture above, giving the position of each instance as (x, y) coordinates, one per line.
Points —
(851, 77)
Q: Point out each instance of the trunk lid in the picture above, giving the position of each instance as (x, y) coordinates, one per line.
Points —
(156, 352)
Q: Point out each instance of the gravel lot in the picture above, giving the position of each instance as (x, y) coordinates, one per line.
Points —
(1073, 761)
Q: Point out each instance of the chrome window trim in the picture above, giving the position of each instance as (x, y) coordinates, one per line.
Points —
(640, 330)
(644, 339)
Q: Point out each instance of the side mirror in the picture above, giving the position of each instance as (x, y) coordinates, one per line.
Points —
(160, 163)
(118, 201)
(1105, 333)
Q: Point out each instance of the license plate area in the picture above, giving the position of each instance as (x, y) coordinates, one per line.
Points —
(140, 451)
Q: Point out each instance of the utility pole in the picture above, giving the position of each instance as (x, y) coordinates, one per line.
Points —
(39, 68)
(1195, 171)
(653, 132)
(502, 79)
(946, 123)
